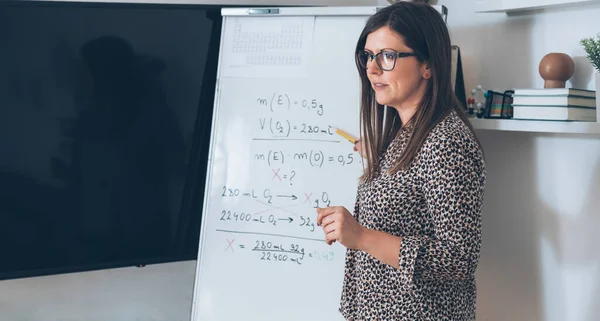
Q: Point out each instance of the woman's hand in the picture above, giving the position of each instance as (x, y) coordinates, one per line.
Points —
(339, 225)
(360, 148)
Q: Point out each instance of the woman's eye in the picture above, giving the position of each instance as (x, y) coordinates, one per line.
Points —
(389, 55)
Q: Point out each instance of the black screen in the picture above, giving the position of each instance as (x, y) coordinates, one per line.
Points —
(105, 114)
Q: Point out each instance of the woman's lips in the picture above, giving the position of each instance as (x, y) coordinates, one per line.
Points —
(377, 86)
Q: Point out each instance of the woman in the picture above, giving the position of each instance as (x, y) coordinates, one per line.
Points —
(413, 243)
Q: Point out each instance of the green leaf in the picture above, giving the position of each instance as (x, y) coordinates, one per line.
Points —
(591, 46)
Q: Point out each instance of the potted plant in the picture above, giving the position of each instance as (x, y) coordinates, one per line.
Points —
(592, 49)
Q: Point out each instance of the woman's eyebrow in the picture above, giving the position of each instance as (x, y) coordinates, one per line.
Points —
(382, 49)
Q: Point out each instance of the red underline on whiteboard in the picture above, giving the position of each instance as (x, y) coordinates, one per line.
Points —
(304, 139)
(271, 234)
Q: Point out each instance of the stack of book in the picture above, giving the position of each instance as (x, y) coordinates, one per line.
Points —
(565, 104)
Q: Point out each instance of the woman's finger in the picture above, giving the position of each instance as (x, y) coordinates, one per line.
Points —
(331, 237)
(324, 212)
(360, 148)
(330, 228)
(328, 220)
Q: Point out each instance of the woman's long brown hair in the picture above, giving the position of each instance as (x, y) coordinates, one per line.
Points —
(425, 32)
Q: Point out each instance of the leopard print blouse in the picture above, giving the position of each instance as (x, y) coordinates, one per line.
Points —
(435, 206)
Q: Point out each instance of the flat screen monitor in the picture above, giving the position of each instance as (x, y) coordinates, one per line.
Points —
(105, 115)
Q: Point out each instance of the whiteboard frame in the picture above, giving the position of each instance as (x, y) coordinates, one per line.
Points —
(315, 11)
(248, 11)
(301, 11)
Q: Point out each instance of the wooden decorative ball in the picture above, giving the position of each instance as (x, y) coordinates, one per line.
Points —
(556, 68)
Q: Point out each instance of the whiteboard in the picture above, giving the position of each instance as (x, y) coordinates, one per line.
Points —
(284, 80)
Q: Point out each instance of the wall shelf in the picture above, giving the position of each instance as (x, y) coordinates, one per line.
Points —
(537, 126)
(525, 5)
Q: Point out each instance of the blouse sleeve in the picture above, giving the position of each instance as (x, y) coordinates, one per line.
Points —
(453, 186)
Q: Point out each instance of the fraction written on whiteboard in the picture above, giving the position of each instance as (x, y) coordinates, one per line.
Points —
(279, 251)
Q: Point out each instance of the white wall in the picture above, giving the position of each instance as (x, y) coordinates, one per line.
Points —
(539, 257)
(540, 215)
(151, 293)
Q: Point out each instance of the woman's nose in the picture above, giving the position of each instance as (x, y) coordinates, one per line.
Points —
(373, 67)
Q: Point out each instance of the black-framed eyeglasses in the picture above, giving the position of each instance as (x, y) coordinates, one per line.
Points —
(385, 59)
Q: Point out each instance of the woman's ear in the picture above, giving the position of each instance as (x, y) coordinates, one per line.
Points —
(426, 71)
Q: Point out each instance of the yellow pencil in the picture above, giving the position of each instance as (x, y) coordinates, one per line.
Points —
(345, 135)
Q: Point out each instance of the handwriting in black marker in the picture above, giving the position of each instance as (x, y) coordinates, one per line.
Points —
(282, 101)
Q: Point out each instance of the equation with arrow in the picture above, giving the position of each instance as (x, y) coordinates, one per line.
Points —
(267, 197)
(303, 221)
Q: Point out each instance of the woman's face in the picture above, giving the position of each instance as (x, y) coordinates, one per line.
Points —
(403, 86)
